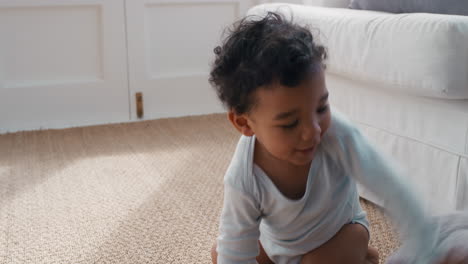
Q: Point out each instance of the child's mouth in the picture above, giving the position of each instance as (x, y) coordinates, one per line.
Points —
(307, 150)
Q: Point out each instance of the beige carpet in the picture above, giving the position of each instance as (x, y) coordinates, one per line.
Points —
(148, 192)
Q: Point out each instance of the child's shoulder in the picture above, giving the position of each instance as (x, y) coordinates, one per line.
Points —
(239, 174)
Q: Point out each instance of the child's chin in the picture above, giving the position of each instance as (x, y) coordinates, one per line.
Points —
(302, 161)
(304, 158)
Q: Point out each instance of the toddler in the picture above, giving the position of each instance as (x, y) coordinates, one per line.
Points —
(290, 193)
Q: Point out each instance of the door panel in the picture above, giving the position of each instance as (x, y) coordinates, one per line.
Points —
(170, 50)
(62, 63)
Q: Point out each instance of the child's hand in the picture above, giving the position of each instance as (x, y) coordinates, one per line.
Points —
(372, 256)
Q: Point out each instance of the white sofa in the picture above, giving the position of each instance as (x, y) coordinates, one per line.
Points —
(403, 78)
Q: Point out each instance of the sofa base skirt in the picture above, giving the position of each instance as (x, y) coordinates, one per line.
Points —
(427, 138)
(439, 176)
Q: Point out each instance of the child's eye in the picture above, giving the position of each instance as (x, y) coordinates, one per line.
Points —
(292, 125)
(322, 110)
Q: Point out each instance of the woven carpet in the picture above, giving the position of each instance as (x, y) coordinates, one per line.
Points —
(146, 192)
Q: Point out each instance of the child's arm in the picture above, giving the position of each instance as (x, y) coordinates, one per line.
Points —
(239, 228)
(375, 172)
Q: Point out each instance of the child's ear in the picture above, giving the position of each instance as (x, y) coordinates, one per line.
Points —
(241, 123)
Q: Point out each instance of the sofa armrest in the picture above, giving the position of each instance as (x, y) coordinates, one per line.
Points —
(419, 53)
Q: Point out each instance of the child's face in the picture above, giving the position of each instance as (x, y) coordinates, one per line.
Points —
(289, 122)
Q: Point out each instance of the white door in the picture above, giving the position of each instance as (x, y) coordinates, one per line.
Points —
(170, 45)
(62, 63)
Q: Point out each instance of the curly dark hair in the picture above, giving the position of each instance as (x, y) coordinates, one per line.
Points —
(259, 52)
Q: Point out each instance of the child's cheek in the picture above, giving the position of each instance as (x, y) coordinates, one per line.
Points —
(281, 146)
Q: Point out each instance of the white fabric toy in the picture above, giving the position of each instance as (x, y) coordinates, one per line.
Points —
(452, 242)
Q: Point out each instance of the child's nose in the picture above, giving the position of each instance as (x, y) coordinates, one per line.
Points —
(312, 132)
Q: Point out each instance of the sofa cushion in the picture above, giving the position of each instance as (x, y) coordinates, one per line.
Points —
(421, 54)
(454, 7)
